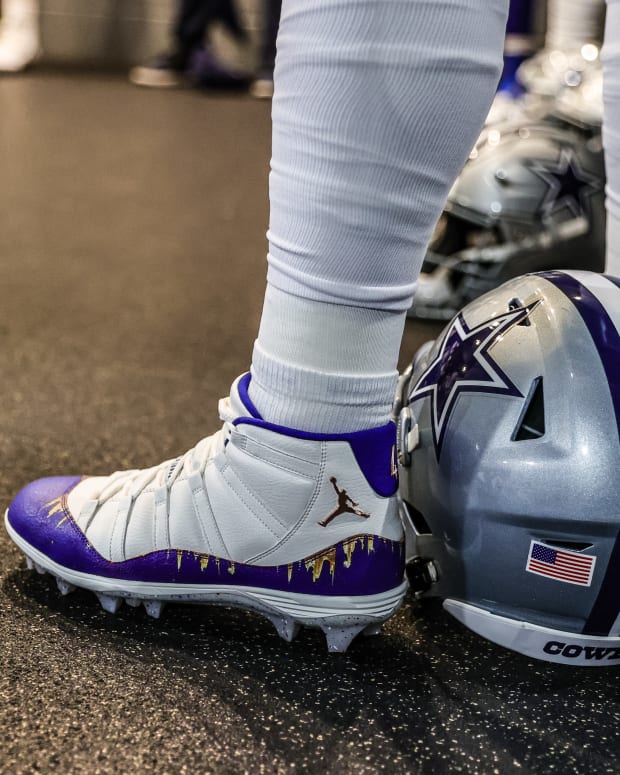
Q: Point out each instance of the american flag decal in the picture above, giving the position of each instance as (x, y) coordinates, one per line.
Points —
(561, 564)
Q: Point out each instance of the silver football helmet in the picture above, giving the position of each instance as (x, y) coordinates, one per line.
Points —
(509, 446)
(531, 197)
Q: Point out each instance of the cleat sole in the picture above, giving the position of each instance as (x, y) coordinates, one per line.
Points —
(341, 618)
(340, 638)
(286, 627)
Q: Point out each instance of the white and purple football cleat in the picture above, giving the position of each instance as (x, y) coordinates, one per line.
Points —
(300, 527)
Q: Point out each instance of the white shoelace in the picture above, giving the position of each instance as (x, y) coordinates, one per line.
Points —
(132, 483)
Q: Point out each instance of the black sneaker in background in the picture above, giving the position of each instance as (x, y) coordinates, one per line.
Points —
(164, 71)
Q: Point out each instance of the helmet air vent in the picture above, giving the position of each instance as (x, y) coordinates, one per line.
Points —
(531, 424)
(516, 303)
(573, 546)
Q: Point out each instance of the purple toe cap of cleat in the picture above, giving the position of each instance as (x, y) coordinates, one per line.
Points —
(32, 513)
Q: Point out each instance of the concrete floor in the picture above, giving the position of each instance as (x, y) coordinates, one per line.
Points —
(132, 264)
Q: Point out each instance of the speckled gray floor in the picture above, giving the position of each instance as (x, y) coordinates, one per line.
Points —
(131, 273)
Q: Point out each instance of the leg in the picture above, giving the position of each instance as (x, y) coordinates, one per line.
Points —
(169, 70)
(571, 23)
(377, 106)
(190, 61)
(19, 34)
(262, 86)
(611, 133)
(190, 26)
(194, 17)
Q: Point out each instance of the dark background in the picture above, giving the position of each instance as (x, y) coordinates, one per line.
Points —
(132, 266)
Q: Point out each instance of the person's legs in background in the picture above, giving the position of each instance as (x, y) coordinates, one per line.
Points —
(189, 59)
(377, 105)
(19, 34)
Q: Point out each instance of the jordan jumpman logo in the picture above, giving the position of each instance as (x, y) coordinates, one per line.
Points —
(346, 505)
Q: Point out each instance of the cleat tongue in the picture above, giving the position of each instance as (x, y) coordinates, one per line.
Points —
(108, 603)
(133, 602)
(286, 627)
(64, 587)
(29, 563)
(339, 638)
(154, 608)
(39, 569)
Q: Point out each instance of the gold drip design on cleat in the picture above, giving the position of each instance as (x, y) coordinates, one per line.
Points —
(204, 561)
(55, 506)
(231, 568)
(317, 562)
(179, 559)
(58, 506)
(290, 571)
(349, 547)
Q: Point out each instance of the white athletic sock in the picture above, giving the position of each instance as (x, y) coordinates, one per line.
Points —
(377, 104)
(303, 375)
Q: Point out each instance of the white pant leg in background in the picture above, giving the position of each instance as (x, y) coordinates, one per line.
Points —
(571, 23)
(611, 132)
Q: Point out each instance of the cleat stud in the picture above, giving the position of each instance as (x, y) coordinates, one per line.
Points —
(64, 587)
(109, 603)
(39, 569)
(286, 627)
(339, 638)
(373, 629)
(133, 602)
(153, 608)
(29, 563)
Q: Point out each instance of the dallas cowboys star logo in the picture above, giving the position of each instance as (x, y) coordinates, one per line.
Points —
(464, 365)
(569, 185)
